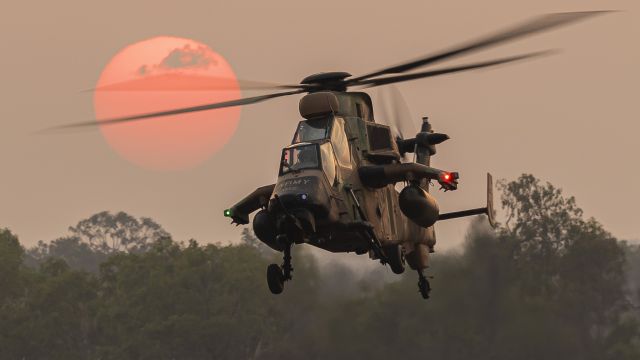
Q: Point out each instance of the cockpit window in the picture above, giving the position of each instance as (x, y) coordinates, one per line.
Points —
(311, 130)
(340, 143)
(299, 157)
(328, 162)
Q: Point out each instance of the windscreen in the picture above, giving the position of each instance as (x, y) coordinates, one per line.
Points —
(311, 130)
(298, 158)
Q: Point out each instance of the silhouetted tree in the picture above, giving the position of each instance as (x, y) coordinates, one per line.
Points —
(77, 254)
(543, 222)
(633, 274)
(11, 256)
(108, 233)
(567, 261)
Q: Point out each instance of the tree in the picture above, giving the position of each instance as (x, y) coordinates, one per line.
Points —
(591, 286)
(108, 233)
(55, 320)
(50, 316)
(632, 252)
(539, 215)
(566, 261)
(496, 298)
(76, 253)
(187, 302)
(543, 222)
(11, 255)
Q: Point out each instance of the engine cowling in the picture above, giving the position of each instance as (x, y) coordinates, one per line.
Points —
(419, 206)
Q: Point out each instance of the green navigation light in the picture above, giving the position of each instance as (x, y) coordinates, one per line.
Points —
(227, 213)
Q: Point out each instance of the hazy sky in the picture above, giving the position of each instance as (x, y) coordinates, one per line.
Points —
(571, 119)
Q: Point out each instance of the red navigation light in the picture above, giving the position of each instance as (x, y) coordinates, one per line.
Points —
(448, 180)
(446, 176)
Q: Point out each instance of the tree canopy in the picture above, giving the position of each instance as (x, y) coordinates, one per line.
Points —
(548, 284)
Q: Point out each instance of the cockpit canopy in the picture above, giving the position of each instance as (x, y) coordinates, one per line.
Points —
(305, 156)
(312, 130)
(298, 157)
(330, 128)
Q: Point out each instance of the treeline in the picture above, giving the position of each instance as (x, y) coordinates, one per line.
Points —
(547, 284)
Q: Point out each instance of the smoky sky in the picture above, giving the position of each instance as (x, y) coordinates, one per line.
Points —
(570, 119)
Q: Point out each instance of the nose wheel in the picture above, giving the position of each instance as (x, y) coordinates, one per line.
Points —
(276, 274)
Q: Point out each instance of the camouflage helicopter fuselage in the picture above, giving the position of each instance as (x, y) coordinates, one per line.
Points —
(343, 199)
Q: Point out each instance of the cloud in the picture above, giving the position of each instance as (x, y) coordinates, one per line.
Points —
(143, 70)
(186, 57)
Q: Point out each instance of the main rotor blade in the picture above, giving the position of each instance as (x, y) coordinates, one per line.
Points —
(537, 24)
(238, 102)
(383, 105)
(424, 74)
(189, 82)
(402, 118)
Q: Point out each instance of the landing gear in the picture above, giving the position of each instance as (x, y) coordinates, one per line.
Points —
(423, 285)
(276, 274)
(395, 255)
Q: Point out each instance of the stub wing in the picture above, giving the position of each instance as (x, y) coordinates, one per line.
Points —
(488, 210)
(239, 212)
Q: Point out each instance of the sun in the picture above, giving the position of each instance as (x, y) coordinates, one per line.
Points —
(165, 73)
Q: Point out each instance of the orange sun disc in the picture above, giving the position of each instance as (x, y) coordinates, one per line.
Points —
(165, 73)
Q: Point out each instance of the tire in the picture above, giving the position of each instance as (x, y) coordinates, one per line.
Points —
(275, 279)
(395, 254)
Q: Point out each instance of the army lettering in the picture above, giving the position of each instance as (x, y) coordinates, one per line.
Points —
(294, 184)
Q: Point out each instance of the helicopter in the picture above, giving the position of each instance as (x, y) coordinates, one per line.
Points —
(345, 183)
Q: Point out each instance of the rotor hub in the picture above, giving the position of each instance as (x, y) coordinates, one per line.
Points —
(334, 81)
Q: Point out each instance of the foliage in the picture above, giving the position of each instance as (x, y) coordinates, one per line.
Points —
(93, 239)
(547, 285)
(108, 233)
(76, 253)
(633, 273)
(11, 255)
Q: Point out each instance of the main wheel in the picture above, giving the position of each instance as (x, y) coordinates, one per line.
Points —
(395, 254)
(275, 279)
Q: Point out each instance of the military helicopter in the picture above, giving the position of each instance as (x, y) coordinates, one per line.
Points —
(336, 183)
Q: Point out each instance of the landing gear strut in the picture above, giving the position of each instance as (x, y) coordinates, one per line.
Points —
(286, 265)
(276, 274)
(423, 285)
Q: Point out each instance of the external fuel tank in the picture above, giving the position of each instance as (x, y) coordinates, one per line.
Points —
(419, 206)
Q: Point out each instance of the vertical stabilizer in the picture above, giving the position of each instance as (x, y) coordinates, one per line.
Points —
(490, 212)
